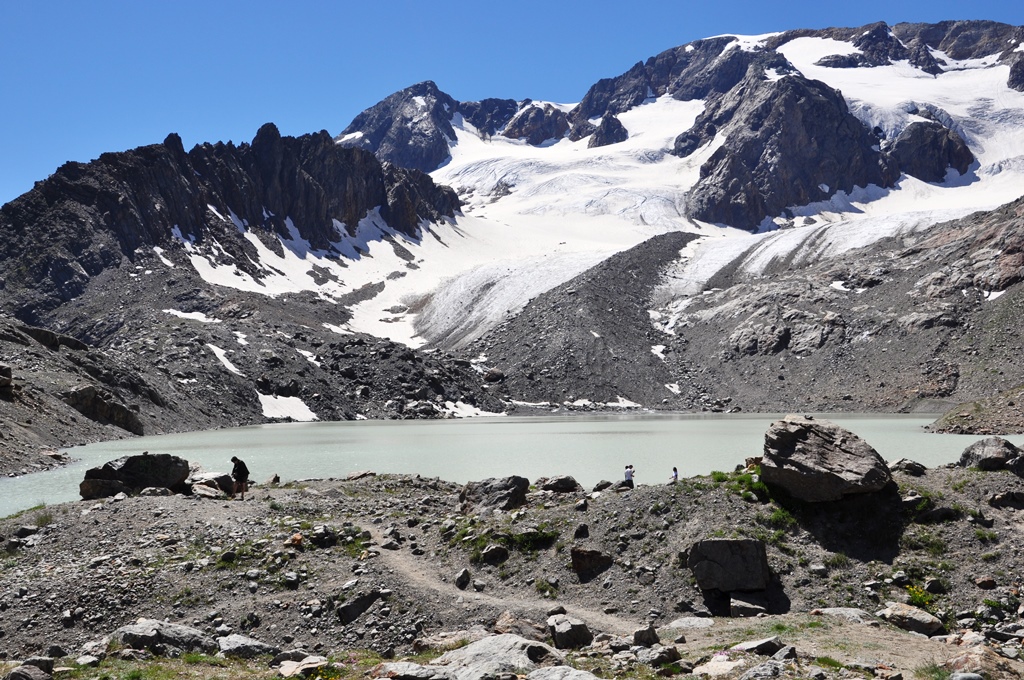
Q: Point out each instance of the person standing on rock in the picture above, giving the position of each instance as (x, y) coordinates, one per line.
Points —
(239, 473)
(628, 483)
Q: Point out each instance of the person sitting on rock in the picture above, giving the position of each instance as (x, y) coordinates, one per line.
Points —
(239, 473)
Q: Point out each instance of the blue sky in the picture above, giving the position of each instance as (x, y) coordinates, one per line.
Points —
(81, 78)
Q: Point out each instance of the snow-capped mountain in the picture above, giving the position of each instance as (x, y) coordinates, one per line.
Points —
(683, 237)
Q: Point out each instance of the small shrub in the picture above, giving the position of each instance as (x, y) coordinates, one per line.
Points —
(989, 557)
(828, 662)
(719, 477)
(837, 561)
(986, 535)
(932, 671)
(545, 588)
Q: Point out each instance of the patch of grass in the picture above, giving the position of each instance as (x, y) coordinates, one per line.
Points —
(986, 535)
(932, 671)
(828, 662)
(545, 588)
(928, 542)
(195, 659)
(837, 561)
(34, 508)
(989, 557)
(719, 477)
(779, 518)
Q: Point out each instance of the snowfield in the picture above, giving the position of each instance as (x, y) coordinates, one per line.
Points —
(535, 217)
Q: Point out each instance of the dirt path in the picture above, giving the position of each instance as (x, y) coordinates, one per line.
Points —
(424, 577)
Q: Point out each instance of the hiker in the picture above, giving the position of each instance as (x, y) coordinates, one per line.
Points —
(674, 477)
(239, 473)
(628, 483)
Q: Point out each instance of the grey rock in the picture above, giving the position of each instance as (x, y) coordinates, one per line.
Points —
(658, 655)
(242, 647)
(498, 654)
(560, 673)
(729, 564)
(353, 608)
(908, 467)
(149, 633)
(988, 454)
(768, 669)
(743, 605)
(763, 647)
(589, 563)
(851, 614)
(646, 636)
(816, 460)
(27, 673)
(910, 618)
(138, 472)
(609, 131)
(462, 579)
(507, 493)
(568, 632)
(494, 554)
(561, 484)
(43, 663)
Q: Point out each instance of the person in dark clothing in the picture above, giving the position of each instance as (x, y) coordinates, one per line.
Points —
(240, 473)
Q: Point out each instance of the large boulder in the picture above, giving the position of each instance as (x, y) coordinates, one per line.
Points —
(506, 493)
(815, 461)
(242, 647)
(160, 637)
(136, 472)
(568, 632)
(988, 454)
(588, 563)
(910, 618)
(727, 565)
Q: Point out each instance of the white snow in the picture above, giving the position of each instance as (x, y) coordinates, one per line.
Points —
(223, 358)
(286, 407)
(673, 388)
(658, 351)
(194, 316)
(241, 338)
(993, 294)
(160, 254)
(459, 409)
(310, 356)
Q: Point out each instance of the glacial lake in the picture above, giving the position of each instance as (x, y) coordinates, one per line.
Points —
(590, 448)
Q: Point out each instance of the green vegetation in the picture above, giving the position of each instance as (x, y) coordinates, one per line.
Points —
(837, 561)
(919, 597)
(923, 540)
(546, 588)
(828, 662)
(932, 671)
(986, 535)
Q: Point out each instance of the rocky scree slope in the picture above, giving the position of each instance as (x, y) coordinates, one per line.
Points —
(918, 322)
(376, 562)
(787, 140)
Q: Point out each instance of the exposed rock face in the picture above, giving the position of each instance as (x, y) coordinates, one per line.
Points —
(506, 493)
(729, 565)
(610, 131)
(85, 218)
(103, 407)
(537, 124)
(1016, 79)
(818, 461)
(489, 116)
(926, 150)
(788, 142)
(410, 128)
(138, 472)
(989, 454)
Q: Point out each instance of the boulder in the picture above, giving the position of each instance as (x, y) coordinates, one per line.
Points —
(305, 667)
(494, 554)
(507, 493)
(765, 647)
(214, 480)
(462, 579)
(137, 472)
(568, 632)
(352, 609)
(816, 461)
(242, 647)
(727, 564)
(910, 618)
(28, 672)
(908, 467)
(658, 655)
(500, 654)
(589, 563)
(646, 636)
(560, 673)
(156, 636)
(518, 625)
(561, 484)
(988, 454)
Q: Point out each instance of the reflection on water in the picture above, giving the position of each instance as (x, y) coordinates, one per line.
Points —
(589, 448)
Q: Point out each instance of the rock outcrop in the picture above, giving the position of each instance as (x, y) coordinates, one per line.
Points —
(728, 565)
(506, 493)
(135, 473)
(815, 461)
(928, 150)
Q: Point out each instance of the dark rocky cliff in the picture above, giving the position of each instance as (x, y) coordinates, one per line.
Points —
(86, 217)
